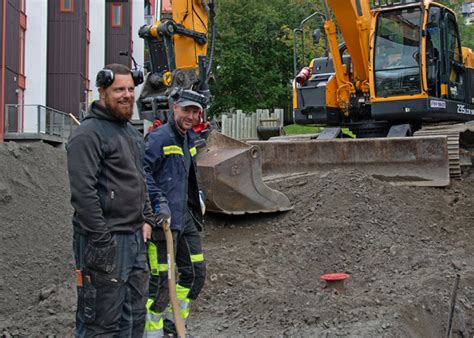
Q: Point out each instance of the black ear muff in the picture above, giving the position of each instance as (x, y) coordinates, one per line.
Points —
(137, 76)
(104, 78)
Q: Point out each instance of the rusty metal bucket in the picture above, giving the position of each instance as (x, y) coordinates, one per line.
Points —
(419, 161)
(230, 174)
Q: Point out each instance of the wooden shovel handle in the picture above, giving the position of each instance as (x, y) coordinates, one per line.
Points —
(178, 320)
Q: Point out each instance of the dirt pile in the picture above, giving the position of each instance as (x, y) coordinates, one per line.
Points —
(402, 247)
(36, 260)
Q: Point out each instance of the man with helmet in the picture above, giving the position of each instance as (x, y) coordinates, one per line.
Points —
(112, 212)
(170, 169)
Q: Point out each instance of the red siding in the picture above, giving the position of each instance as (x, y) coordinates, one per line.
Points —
(2, 69)
(9, 61)
(67, 56)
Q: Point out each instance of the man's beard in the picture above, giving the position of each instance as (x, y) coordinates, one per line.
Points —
(119, 112)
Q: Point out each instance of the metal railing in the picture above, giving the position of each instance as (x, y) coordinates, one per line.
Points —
(37, 119)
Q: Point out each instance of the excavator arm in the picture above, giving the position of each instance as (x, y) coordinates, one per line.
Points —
(177, 43)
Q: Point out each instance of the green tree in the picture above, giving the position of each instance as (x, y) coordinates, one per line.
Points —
(254, 53)
(466, 31)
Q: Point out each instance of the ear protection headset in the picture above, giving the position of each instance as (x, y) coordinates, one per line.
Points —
(105, 77)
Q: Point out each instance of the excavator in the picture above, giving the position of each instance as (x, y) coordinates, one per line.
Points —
(399, 80)
(399, 71)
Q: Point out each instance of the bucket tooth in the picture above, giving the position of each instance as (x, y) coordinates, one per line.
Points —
(230, 173)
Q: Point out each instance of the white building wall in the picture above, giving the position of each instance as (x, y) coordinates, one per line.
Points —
(97, 43)
(36, 42)
(138, 20)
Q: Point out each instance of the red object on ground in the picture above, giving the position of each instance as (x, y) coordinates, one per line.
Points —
(334, 276)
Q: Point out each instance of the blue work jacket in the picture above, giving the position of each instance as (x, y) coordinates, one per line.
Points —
(166, 175)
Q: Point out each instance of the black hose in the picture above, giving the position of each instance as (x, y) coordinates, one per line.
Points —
(212, 23)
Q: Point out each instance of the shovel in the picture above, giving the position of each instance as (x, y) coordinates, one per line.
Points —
(178, 320)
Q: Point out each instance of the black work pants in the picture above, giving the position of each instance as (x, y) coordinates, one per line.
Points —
(189, 261)
(113, 304)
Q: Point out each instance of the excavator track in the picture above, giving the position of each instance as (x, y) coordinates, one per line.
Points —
(460, 141)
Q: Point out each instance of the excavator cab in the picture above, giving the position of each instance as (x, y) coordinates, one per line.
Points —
(418, 68)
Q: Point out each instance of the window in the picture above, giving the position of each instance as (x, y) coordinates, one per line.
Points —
(116, 15)
(454, 60)
(21, 51)
(433, 48)
(148, 8)
(396, 56)
(67, 6)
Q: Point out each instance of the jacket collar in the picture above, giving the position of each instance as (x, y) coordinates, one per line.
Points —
(176, 132)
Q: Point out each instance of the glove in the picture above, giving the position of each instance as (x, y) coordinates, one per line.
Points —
(201, 200)
(100, 256)
(162, 213)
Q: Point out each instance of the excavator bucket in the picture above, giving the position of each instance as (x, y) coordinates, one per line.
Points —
(419, 161)
(230, 174)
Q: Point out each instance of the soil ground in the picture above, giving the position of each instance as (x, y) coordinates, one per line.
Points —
(401, 246)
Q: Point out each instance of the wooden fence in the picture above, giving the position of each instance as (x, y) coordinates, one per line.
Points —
(243, 126)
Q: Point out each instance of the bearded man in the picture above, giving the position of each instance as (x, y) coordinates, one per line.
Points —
(112, 213)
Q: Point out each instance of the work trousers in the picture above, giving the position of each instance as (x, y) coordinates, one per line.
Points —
(192, 272)
(113, 304)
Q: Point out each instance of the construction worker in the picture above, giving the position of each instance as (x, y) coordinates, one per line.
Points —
(170, 169)
(112, 212)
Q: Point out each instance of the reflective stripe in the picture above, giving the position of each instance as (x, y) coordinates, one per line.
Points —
(183, 311)
(154, 322)
(197, 258)
(193, 151)
(153, 259)
(183, 301)
(182, 292)
(173, 150)
(163, 267)
(151, 325)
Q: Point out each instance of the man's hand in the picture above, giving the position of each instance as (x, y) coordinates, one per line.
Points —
(162, 213)
(146, 231)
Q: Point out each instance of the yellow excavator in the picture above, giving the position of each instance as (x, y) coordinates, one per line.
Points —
(399, 71)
